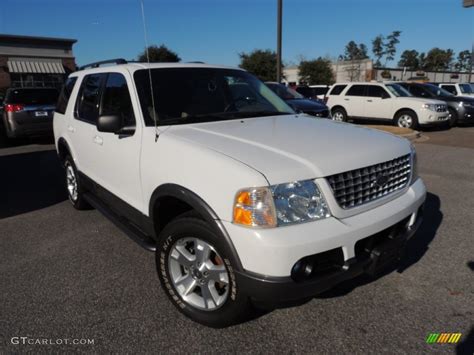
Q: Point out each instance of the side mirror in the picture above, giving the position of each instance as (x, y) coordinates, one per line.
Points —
(109, 123)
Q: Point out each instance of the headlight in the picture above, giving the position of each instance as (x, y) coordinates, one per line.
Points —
(279, 205)
(414, 165)
(431, 107)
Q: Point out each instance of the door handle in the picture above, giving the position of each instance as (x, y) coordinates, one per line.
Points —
(98, 140)
(369, 100)
(346, 99)
(71, 128)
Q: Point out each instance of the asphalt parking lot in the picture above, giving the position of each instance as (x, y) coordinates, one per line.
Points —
(69, 274)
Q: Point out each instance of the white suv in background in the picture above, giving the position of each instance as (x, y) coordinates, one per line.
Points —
(243, 201)
(463, 89)
(384, 101)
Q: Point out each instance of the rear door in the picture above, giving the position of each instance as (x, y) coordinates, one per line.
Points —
(82, 128)
(378, 103)
(354, 100)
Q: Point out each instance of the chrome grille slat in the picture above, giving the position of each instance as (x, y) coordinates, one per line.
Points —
(357, 187)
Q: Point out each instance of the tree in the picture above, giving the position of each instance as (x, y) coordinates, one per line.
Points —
(438, 59)
(318, 71)
(390, 46)
(463, 61)
(410, 60)
(159, 54)
(377, 49)
(262, 63)
(354, 51)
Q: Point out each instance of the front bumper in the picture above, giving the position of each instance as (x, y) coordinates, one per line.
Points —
(432, 118)
(273, 291)
(273, 252)
(466, 114)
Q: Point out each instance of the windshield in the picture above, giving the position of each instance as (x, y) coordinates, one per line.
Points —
(285, 92)
(465, 88)
(436, 90)
(194, 95)
(398, 90)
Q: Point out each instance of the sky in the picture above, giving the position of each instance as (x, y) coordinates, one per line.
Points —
(216, 31)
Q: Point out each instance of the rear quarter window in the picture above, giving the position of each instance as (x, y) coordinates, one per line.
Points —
(65, 95)
(337, 89)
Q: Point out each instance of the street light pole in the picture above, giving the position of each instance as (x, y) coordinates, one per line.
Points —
(279, 17)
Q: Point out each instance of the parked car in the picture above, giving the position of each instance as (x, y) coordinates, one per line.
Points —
(385, 101)
(313, 91)
(298, 102)
(244, 202)
(28, 112)
(461, 109)
(463, 89)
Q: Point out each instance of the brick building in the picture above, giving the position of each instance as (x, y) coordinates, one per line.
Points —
(35, 61)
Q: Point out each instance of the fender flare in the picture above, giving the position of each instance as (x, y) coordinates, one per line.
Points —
(200, 206)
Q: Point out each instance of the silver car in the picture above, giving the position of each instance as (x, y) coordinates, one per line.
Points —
(28, 112)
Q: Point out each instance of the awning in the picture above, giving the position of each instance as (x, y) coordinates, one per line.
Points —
(35, 65)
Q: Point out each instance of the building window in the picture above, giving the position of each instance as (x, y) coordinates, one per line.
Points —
(22, 80)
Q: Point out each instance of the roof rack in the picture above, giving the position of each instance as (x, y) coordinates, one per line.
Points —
(98, 64)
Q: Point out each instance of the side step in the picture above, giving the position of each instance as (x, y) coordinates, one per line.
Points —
(132, 232)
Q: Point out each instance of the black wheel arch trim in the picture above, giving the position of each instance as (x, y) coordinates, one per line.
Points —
(200, 206)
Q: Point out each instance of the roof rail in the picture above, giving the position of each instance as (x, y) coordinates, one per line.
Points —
(98, 64)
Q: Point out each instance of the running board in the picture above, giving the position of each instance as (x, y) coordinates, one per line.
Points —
(131, 231)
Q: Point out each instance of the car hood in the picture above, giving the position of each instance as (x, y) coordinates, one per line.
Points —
(469, 99)
(306, 104)
(295, 147)
(422, 100)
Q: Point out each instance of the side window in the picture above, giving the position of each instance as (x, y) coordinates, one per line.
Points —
(65, 95)
(450, 88)
(337, 89)
(88, 98)
(116, 99)
(356, 90)
(376, 91)
(418, 91)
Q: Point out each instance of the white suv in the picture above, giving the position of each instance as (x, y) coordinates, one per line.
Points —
(463, 89)
(384, 101)
(245, 202)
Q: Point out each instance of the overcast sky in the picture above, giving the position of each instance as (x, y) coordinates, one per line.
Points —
(215, 31)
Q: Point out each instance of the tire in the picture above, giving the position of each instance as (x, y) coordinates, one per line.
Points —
(3, 136)
(75, 191)
(339, 114)
(453, 119)
(406, 119)
(189, 277)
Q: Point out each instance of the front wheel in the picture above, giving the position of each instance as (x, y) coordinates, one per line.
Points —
(406, 119)
(453, 117)
(197, 274)
(339, 114)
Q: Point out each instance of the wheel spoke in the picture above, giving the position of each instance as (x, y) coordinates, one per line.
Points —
(209, 294)
(202, 250)
(182, 256)
(218, 273)
(186, 285)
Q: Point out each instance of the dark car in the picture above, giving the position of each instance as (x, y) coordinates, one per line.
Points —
(461, 109)
(28, 112)
(298, 102)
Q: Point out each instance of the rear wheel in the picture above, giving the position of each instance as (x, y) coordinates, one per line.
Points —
(339, 114)
(3, 136)
(74, 188)
(406, 119)
(197, 273)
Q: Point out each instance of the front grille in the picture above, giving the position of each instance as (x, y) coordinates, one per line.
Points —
(441, 108)
(360, 186)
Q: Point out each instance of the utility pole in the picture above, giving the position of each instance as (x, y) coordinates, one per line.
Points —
(279, 17)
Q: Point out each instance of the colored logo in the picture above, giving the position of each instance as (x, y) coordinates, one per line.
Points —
(443, 338)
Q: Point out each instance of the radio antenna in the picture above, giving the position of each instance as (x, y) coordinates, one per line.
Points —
(149, 71)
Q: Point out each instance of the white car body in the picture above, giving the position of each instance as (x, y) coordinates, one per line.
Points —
(214, 160)
(371, 107)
